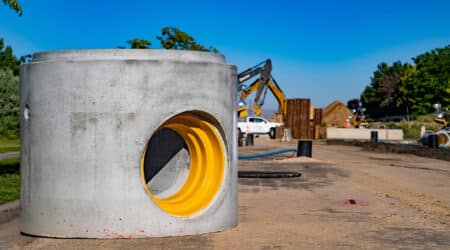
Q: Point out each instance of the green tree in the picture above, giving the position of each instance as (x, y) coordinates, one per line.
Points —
(427, 82)
(13, 4)
(173, 38)
(9, 91)
(371, 100)
(7, 58)
(9, 103)
(353, 103)
(400, 89)
(388, 79)
(381, 97)
(137, 43)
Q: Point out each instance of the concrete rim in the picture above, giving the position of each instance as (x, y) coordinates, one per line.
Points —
(128, 54)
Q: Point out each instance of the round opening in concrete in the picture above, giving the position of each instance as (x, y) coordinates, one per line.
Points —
(166, 166)
(183, 164)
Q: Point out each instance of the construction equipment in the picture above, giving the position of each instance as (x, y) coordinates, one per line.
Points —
(261, 85)
(442, 116)
(358, 119)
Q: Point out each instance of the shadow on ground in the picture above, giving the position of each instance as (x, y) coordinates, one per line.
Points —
(181, 242)
(314, 175)
(409, 238)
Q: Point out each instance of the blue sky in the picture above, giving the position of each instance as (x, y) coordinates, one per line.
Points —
(325, 50)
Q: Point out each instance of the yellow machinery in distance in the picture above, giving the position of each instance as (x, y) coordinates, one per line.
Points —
(261, 85)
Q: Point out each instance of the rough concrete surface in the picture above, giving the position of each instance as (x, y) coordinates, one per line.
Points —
(364, 134)
(87, 118)
(346, 198)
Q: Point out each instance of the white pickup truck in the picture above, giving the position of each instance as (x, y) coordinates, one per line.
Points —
(257, 125)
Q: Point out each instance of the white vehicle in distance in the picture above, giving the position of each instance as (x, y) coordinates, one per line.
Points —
(257, 125)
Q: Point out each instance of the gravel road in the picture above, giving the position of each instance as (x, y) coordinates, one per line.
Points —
(346, 198)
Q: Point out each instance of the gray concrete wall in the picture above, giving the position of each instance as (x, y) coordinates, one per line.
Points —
(364, 134)
(87, 116)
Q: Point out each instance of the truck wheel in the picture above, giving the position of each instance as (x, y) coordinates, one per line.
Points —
(272, 133)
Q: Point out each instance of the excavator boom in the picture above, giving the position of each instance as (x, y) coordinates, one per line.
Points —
(261, 85)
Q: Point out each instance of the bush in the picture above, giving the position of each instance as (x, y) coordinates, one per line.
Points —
(9, 104)
(9, 180)
(410, 129)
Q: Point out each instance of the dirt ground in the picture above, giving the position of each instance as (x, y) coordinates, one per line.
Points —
(346, 198)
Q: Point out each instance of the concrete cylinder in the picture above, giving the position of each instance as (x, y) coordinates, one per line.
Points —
(127, 143)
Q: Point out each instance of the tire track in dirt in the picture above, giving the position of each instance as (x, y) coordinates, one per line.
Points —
(431, 207)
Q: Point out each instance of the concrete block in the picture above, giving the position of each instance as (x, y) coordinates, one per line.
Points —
(364, 134)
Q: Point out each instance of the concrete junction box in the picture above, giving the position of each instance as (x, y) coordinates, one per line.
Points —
(127, 143)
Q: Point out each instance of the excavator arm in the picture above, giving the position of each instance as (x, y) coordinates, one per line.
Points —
(260, 86)
(279, 95)
(273, 86)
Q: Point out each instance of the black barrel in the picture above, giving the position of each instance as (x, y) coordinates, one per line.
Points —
(304, 148)
(249, 139)
(272, 133)
(433, 141)
(373, 136)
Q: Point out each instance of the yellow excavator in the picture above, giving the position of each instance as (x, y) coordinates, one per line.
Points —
(442, 116)
(261, 85)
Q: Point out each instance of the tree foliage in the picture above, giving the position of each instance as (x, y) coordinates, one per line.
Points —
(9, 91)
(7, 58)
(353, 104)
(13, 4)
(9, 103)
(427, 82)
(173, 38)
(402, 88)
(138, 43)
(371, 101)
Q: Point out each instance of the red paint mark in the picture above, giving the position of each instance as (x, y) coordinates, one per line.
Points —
(356, 202)
(350, 202)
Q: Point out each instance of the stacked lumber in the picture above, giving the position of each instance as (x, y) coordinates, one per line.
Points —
(297, 118)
